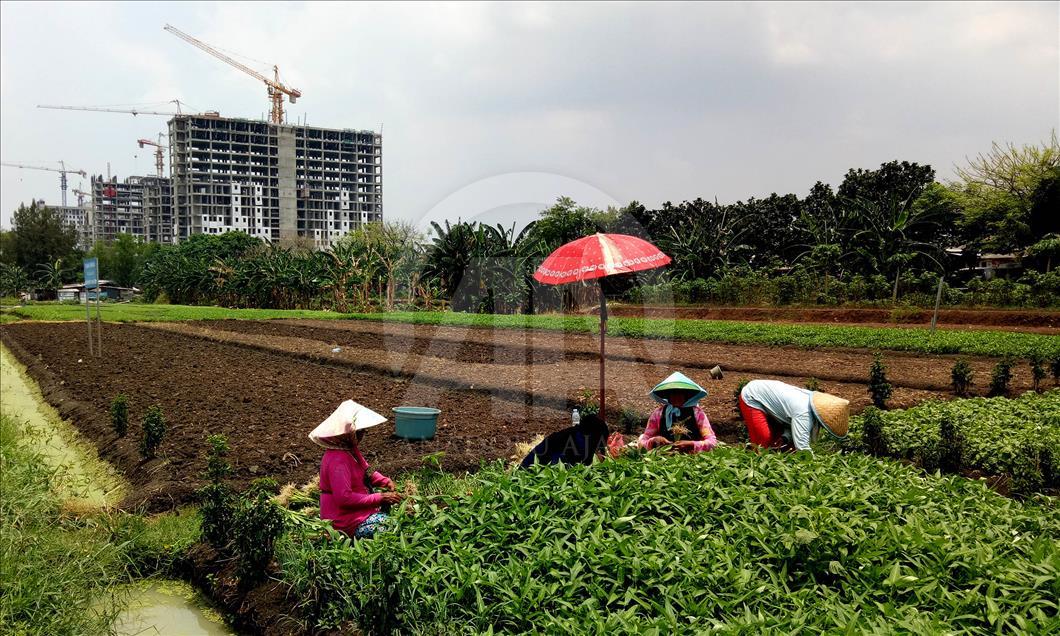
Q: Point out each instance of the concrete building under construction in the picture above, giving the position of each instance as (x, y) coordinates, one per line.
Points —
(140, 206)
(77, 217)
(278, 182)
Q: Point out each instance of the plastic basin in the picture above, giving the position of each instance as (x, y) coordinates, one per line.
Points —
(415, 422)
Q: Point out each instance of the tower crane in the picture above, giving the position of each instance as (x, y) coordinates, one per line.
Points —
(275, 88)
(129, 111)
(62, 170)
(158, 152)
(81, 194)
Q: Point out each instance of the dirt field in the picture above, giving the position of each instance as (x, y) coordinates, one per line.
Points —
(266, 384)
(1031, 320)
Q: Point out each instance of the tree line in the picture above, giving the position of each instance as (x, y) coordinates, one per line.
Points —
(880, 234)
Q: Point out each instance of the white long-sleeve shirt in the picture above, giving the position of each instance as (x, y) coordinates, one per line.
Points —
(789, 404)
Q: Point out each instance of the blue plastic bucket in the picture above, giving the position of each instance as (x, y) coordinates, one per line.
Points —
(415, 422)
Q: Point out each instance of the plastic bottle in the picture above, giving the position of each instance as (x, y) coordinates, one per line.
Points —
(575, 418)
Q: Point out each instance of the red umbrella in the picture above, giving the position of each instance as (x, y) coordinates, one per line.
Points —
(597, 256)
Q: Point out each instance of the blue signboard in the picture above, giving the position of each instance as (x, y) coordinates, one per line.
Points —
(91, 273)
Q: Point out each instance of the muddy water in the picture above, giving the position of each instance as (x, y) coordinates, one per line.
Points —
(82, 478)
(168, 608)
(87, 483)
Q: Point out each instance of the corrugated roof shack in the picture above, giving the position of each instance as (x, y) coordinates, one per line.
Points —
(75, 292)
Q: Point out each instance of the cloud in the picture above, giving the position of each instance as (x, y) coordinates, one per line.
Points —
(647, 101)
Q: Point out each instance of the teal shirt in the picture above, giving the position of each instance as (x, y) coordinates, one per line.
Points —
(789, 404)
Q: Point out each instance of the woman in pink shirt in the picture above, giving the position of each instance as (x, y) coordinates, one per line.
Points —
(678, 422)
(346, 480)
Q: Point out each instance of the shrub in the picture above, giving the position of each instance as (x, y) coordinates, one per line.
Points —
(961, 377)
(813, 384)
(879, 388)
(872, 432)
(1037, 362)
(215, 498)
(632, 420)
(736, 396)
(1000, 377)
(950, 443)
(119, 414)
(1027, 471)
(154, 429)
(1054, 367)
(257, 524)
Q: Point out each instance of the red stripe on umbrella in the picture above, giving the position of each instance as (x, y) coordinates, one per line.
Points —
(597, 256)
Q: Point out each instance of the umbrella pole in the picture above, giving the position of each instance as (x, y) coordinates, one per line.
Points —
(603, 335)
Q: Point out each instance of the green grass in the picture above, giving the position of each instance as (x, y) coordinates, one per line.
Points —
(59, 569)
(729, 540)
(943, 341)
(136, 312)
(54, 572)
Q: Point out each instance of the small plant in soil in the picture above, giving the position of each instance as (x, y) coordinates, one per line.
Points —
(631, 420)
(950, 446)
(872, 432)
(1037, 362)
(215, 498)
(736, 395)
(154, 430)
(119, 414)
(1027, 473)
(257, 524)
(1000, 377)
(961, 377)
(879, 388)
(813, 384)
(588, 404)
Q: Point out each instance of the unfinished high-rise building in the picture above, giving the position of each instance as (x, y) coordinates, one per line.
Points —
(278, 182)
(79, 219)
(139, 206)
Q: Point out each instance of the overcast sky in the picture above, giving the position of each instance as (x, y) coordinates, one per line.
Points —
(490, 111)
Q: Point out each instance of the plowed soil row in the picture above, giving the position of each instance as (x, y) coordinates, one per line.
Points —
(265, 403)
(433, 356)
(1036, 320)
(399, 347)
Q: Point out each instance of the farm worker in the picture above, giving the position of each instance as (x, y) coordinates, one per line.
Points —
(578, 444)
(797, 414)
(346, 481)
(678, 421)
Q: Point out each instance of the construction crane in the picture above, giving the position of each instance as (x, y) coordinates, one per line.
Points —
(81, 194)
(62, 170)
(276, 89)
(158, 152)
(129, 111)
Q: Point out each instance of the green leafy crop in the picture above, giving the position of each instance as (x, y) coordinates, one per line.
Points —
(730, 540)
(997, 435)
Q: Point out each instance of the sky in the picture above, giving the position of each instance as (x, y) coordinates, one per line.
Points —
(492, 111)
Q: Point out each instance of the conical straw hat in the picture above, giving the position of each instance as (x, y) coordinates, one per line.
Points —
(350, 416)
(833, 412)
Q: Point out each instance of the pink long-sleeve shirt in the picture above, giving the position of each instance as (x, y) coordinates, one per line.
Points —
(344, 496)
(709, 439)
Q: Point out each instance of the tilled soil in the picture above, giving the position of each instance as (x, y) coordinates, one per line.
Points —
(267, 384)
(265, 403)
(412, 349)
